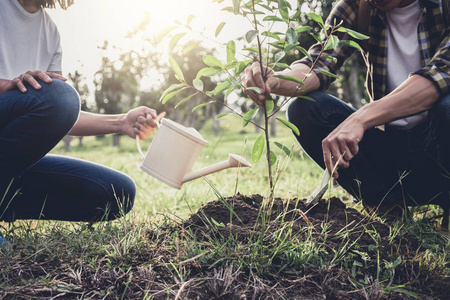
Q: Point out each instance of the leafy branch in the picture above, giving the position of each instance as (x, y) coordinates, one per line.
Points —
(273, 12)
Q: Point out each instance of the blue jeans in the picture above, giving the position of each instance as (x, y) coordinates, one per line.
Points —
(49, 186)
(392, 166)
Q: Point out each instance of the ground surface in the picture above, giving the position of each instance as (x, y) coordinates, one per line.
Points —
(234, 248)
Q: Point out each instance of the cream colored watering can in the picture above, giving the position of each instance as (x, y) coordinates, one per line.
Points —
(174, 151)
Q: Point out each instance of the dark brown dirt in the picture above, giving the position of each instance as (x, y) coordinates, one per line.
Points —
(209, 256)
(334, 225)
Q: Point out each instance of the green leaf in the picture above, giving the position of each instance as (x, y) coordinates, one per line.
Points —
(303, 29)
(296, 16)
(271, 34)
(269, 105)
(236, 6)
(316, 37)
(250, 35)
(334, 59)
(229, 91)
(165, 31)
(283, 9)
(266, 7)
(290, 78)
(189, 19)
(279, 55)
(228, 9)
(251, 49)
(170, 89)
(185, 99)
(307, 98)
(318, 19)
(283, 148)
(242, 65)
(176, 69)
(190, 47)
(305, 52)
(231, 51)
(353, 33)
(289, 47)
(283, 65)
(327, 73)
(249, 116)
(171, 95)
(222, 115)
(332, 42)
(254, 88)
(217, 223)
(208, 72)
(258, 148)
(201, 105)
(175, 39)
(222, 87)
(290, 126)
(273, 18)
(212, 61)
(273, 158)
(198, 84)
(219, 28)
(235, 83)
(350, 44)
(291, 36)
(255, 12)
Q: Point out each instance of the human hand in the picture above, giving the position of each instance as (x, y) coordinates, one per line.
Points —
(341, 145)
(141, 121)
(32, 77)
(254, 77)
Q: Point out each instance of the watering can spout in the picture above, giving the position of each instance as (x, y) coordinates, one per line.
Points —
(233, 161)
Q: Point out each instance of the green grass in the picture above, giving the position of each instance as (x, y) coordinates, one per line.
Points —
(148, 254)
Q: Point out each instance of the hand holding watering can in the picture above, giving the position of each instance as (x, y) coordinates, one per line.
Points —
(174, 151)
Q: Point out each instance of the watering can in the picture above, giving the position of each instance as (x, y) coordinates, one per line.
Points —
(174, 151)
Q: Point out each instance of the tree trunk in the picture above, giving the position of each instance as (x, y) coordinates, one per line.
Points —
(67, 139)
(116, 140)
(80, 141)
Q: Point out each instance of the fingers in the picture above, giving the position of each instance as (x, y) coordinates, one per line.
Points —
(253, 77)
(28, 78)
(55, 76)
(32, 77)
(337, 154)
(330, 157)
(145, 125)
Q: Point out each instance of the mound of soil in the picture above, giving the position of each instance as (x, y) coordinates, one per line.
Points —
(335, 226)
(241, 217)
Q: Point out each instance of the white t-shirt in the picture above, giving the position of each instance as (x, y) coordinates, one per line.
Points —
(27, 41)
(403, 54)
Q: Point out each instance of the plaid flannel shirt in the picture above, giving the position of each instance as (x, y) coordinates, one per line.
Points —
(433, 34)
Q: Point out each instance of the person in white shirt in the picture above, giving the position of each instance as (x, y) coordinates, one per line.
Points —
(37, 109)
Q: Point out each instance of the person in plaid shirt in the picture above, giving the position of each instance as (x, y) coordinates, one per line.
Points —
(408, 162)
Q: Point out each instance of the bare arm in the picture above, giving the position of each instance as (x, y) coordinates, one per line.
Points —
(253, 77)
(139, 121)
(415, 95)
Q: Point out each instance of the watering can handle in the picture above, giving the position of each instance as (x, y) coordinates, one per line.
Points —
(138, 140)
(138, 146)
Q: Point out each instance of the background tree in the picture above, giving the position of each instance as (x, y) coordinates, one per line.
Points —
(117, 83)
(78, 82)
